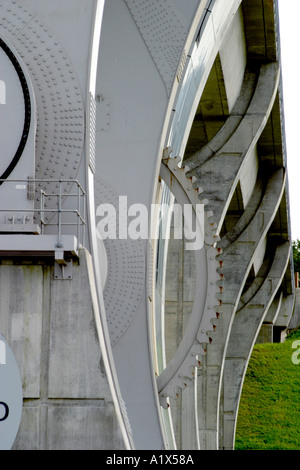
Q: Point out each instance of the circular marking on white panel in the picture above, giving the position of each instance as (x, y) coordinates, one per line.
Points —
(15, 111)
(59, 102)
(11, 111)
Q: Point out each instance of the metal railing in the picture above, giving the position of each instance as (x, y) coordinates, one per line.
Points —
(57, 215)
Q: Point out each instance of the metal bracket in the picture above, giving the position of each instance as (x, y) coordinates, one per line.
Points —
(30, 188)
(19, 223)
(62, 268)
(63, 271)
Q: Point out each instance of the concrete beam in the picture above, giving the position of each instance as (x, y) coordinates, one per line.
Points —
(230, 125)
(284, 316)
(219, 174)
(51, 326)
(233, 56)
(274, 309)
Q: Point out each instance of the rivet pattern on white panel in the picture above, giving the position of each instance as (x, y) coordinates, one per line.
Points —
(163, 32)
(92, 133)
(13, 17)
(60, 109)
(125, 284)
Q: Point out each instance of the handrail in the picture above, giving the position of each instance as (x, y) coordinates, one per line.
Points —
(79, 211)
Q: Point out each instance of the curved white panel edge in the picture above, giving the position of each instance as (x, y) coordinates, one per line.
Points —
(99, 261)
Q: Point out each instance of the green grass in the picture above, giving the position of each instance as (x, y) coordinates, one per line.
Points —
(269, 412)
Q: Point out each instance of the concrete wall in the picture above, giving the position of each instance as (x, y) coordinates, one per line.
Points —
(50, 326)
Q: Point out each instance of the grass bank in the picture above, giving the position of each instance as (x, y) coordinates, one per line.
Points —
(269, 413)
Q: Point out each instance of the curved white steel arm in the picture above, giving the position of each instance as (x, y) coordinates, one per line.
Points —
(97, 260)
(196, 336)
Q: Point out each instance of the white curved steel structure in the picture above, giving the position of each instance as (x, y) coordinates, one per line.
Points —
(143, 104)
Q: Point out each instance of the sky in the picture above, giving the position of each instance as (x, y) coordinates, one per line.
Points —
(289, 14)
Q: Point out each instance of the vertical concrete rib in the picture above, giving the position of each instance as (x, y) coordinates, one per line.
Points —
(218, 176)
(244, 331)
(236, 259)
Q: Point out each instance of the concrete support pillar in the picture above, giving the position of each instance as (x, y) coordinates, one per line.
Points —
(208, 431)
(189, 426)
(265, 334)
(244, 331)
(295, 320)
(237, 259)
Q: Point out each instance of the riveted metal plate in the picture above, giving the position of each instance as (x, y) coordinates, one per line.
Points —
(125, 284)
(164, 34)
